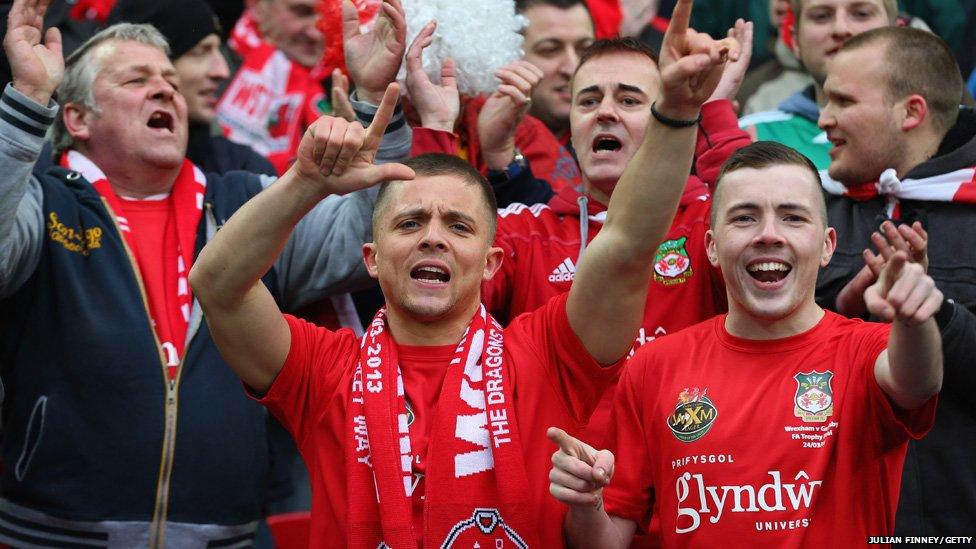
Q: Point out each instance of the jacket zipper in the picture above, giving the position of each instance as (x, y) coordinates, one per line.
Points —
(157, 528)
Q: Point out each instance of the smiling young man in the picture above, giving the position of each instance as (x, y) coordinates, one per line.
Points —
(779, 419)
(428, 431)
(821, 28)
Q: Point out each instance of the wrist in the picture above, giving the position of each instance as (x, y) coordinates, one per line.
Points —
(685, 115)
(373, 97)
(500, 160)
(40, 96)
(437, 123)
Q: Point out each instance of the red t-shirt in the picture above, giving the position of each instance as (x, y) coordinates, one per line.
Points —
(784, 443)
(555, 382)
(153, 229)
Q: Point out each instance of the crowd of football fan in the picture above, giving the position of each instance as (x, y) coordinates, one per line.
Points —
(265, 280)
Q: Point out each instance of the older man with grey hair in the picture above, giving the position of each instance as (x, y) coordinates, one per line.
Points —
(122, 426)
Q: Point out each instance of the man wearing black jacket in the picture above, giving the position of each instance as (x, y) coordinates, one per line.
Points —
(894, 120)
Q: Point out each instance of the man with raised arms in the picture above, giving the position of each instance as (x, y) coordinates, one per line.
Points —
(779, 419)
(429, 430)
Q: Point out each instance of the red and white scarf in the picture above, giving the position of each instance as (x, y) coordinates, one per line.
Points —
(477, 468)
(955, 186)
(187, 202)
(271, 99)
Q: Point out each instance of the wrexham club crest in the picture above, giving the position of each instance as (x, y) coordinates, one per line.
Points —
(693, 415)
(672, 264)
(814, 401)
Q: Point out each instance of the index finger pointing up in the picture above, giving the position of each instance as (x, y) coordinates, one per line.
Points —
(374, 134)
(680, 17)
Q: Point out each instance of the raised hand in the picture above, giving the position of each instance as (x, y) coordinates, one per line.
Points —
(903, 292)
(579, 471)
(735, 70)
(504, 110)
(691, 64)
(911, 240)
(374, 57)
(36, 66)
(341, 106)
(437, 105)
(336, 156)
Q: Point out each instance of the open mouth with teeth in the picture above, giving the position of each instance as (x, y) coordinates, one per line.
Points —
(431, 275)
(161, 120)
(606, 143)
(769, 272)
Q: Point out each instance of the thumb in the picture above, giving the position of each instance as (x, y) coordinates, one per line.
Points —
(350, 19)
(389, 172)
(603, 467)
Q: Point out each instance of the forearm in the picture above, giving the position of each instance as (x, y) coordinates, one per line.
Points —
(587, 527)
(248, 244)
(645, 199)
(914, 363)
(23, 124)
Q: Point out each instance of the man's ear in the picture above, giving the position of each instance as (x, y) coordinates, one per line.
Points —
(493, 262)
(369, 258)
(76, 120)
(830, 244)
(710, 249)
(916, 112)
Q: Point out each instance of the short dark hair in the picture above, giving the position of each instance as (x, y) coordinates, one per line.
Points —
(436, 164)
(765, 154)
(918, 62)
(606, 46)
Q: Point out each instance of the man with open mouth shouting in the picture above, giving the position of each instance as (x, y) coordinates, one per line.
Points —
(429, 430)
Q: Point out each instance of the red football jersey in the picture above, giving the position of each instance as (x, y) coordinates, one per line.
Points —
(554, 382)
(783, 443)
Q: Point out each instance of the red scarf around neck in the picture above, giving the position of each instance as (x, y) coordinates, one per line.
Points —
(187, 202)
(476, 478)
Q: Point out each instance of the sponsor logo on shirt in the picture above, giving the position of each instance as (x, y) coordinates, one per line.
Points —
(485, 529)
(564, 272)
(672, 264)
(814, 399)
(693, 415)
(714, 500)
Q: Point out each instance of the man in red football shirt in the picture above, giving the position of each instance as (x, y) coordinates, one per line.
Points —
(428, 431)
(780, 423)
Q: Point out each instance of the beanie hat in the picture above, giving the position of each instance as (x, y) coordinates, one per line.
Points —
(184, 23)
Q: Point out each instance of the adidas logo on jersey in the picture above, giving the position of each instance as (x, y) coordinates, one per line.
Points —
(564, 272)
